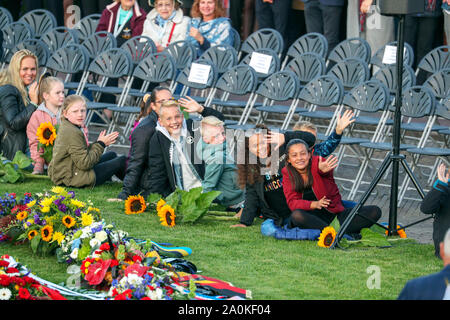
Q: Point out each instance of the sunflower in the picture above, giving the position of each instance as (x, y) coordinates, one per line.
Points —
(32, 234)
(46, 133)
(47, 233)
(160, 204)
(167, 216)
(135, 205)
(22, 215)
(326, 237)
(400, 232)
(68, 221)
(58, 236)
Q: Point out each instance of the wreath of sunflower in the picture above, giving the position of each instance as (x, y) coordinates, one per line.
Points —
(47, 233)
(22, 215)
(135, 205)
(167, 216)
(46, 133)
(68, 221)
(32, 234)
(326, 237)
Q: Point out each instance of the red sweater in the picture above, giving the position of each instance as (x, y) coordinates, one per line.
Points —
(323, 185)
(109, 15)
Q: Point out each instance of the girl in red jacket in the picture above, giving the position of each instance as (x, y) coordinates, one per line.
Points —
(312, 194)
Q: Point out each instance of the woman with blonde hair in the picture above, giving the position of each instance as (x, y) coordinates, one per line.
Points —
(166, 23)
(209, 26)
(18, 101)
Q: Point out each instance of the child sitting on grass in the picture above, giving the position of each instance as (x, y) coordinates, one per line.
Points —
(74, 162)
(51, 98)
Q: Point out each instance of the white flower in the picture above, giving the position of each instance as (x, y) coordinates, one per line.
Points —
(95, 243)
(155, 294)
(102, 236)
(74, 253)
(5, 294)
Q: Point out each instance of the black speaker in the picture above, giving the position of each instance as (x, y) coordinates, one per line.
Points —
(398, 7)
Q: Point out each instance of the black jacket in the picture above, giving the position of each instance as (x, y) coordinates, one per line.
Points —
(161, 175)
(135, 180)
(437, 202)
(14, 117)
(255, 203)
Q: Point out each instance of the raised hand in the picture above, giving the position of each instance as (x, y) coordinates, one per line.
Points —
(108, 139)
(33, 92)
(275, 138)
(344, 121)
(444, 177)
(329, 164)
(190, 105)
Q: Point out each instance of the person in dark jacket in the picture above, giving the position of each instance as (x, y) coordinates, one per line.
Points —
(263, 188)
(18, 101)
(172, 158)
(434, 286)
(437, 202)
(135, 180)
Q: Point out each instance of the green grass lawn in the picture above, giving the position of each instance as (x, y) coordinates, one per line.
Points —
(270, 268)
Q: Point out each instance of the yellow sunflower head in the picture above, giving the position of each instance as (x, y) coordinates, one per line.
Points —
(32, 234)
(47, 233)
(22, 215)
(326, 237)
(167, 216)
(68, 221)
(135, 204)
(46, 133)
(160, 204)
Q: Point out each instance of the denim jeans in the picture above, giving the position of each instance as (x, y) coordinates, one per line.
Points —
(109, 165)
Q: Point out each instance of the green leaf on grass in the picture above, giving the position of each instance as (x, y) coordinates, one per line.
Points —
(11, 174)
(154, 198)
(21, 160)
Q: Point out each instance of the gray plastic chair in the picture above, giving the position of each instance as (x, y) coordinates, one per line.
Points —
(183, 52)
(236, 40)
(388, 76)
(13, 34)
(265, 38)
(351, 71)
(99, 42)
(351, 48)
(69, 60)
(439, 84)
(86, 26)
(110, 64)
(241, 80)
(408, 57)
(312, 42)
(5, 17)
(307, 66)
(279, 86)
(40, 21)
(435, 60)
(59, 37)
(38, 47)
(322, 92)
(154, 69)
(139, 48)
(274, 64)
(224, 57)
(201, 88)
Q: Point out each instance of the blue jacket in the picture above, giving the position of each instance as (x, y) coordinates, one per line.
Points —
(431, 287)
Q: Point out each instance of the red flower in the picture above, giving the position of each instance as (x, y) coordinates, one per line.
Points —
(20, 207)
(12, 270)
(4, 280)
(105, 247)
(4, 263)
(27, 194)
(13, 194)
(114, 263)
(19, 281)
(24, 294)
(137, 258)
(96, 271)
(120, 297)
(146, 298)
(136, 269)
